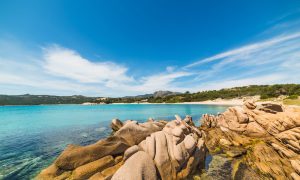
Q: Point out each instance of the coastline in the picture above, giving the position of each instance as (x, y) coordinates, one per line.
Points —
(217, 102)
(238, 137)
(229, 102)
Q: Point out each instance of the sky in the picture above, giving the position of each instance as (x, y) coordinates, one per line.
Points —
(119, 48)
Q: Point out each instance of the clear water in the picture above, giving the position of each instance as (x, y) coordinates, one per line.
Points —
(31, 137)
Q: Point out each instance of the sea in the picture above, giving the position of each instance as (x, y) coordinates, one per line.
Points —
(31, 137)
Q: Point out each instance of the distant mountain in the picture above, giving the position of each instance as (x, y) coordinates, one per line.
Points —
(164, 93)
(156, 94)
(28, 99)
(140, 96)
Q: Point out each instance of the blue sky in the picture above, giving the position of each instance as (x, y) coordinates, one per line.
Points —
(118, 48)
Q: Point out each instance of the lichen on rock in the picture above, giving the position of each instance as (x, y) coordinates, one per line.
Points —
(267, 134)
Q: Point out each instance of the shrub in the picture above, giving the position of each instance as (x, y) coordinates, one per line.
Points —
(294, 96)
(264, 96)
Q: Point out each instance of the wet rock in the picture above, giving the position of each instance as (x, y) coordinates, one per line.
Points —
(219, 169)
(51, 172)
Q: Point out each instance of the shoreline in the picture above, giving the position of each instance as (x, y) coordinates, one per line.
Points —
(228, 138)
(216, 102)
(232, 102)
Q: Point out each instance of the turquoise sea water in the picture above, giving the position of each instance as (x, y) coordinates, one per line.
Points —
(31, 137)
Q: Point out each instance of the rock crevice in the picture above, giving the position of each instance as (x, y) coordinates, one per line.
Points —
(268, 133)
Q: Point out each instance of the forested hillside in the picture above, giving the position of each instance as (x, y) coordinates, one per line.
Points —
(265, 91)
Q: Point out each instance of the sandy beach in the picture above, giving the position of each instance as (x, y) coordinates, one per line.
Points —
(233, 102)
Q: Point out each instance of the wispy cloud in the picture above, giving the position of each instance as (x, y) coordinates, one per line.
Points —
(246, 50)
(275, 60)
(55, 69)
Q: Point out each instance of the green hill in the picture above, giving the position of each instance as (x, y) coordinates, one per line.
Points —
(265, 91)
(28, 99)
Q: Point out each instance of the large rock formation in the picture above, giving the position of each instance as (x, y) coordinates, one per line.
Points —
(266, 136)
(254, 141)
(80, 162)
(150, 150)
(177, 152)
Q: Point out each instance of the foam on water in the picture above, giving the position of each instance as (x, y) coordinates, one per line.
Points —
(33, 136)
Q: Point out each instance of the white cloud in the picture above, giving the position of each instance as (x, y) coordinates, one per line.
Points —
(272, 61)
(149, 84)
(246, 50)
(58, 70)
(161, 81)
(69, 64)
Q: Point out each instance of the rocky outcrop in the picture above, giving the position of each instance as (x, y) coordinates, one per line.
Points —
(81, 162)
(269, 135)
(177, 152)
(258, 141)
(150, 150)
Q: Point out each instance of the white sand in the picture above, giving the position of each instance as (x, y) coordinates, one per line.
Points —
(234, 102)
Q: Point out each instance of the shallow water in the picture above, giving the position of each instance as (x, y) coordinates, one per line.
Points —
(31, 137)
